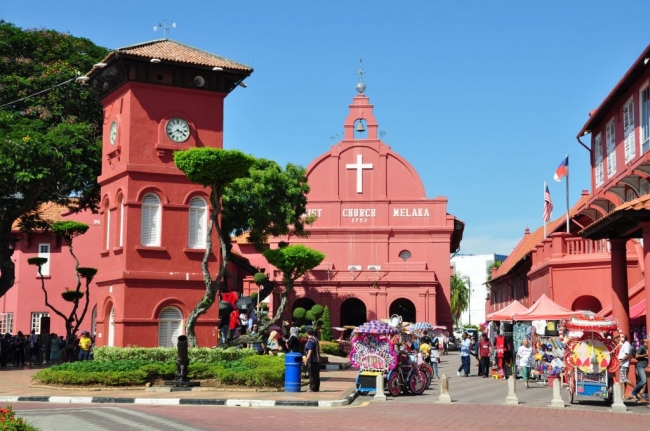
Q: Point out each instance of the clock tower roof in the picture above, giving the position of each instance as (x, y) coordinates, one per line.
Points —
(140, 61)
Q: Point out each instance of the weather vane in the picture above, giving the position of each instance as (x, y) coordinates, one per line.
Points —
(164, 28)
(361, 87)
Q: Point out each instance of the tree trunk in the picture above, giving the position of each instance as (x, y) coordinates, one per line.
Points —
(244, 264)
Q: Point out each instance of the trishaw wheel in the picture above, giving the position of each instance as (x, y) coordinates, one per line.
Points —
(393, 384)
(417, 382)
(428, 373)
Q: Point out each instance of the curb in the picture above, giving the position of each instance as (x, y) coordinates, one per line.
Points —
(186, 401)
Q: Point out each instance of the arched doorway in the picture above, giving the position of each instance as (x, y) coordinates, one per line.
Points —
(587, 302)
(353, 312)
(403, 307)
(306, 303)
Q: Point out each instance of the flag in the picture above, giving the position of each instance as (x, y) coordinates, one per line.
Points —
(562, 170)
(548, 205)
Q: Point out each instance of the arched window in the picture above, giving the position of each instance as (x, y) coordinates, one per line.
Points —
(107, 225)
(120, 208)
(169, 327)
(198, 223)
(150, 224)
(93, 321)
(111, 327)
(405, 255)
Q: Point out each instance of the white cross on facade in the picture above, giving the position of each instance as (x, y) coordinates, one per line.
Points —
(359, 166)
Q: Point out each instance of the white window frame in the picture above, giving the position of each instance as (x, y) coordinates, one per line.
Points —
(108, 228)
(598, 160)
(36, 320)
(93, 321)
(644, 118)
(644, 188)
(170, 326)
(150, 222)
(610, 138)
(198, 223)
(6, 323)
(44, 250)
(630, 195)
(628, 130)
(111, 327)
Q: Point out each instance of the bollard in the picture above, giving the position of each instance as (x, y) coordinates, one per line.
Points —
(557, 401)
(444, 397)
(618, 406)
(512, 399)
(379, 394)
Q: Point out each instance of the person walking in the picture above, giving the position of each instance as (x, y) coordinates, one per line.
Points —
(465, 346)
(642, 357)
(312, 360)
(484, 352)
(624, 357)
(524, 355)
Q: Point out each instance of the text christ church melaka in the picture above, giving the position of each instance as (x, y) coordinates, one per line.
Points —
(387, 246)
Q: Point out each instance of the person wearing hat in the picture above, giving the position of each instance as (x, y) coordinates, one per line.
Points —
(85, 343)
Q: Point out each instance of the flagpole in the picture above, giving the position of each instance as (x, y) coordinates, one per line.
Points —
(567, 197)
(544, 199)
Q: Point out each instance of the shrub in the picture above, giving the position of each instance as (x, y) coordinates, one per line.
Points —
(12, 423)
(166, 354)
(299, 313)
(326, 333)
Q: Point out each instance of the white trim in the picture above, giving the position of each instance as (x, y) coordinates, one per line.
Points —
(150, 222)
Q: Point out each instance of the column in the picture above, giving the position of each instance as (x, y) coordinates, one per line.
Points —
(646, 271)
(620, 299)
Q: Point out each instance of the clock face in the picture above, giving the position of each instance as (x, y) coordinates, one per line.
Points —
(178, 130)
(112, 134)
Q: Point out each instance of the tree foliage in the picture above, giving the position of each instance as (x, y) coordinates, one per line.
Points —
(459, 297)
(214, 168)
(50, 130)
(293, 261)
(326, 333)
(299, 313)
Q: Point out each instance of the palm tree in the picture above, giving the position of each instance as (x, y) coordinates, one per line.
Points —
(459, 297)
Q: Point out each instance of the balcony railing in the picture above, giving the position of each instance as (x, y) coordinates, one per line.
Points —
(587, 246)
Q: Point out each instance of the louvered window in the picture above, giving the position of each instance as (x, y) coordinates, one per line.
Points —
(645, 119)
(645, 187)
(44, 251)
(630, 195)
(610, 136)
(111, 327)
(120, 239)
(107, 227)
(150, 225)
(169, 327)
(628, 127)
(598, 159)
(198, 223)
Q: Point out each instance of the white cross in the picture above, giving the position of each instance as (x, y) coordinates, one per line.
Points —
(359, 166)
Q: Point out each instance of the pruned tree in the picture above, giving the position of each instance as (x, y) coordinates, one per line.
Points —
(50, 133)
(326, 333)
(315, 313)
(68, 230)
(299, 314)
(214, 168)
(293, 261)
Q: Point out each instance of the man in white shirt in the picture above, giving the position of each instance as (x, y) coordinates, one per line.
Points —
(624, 357)
(464, 356)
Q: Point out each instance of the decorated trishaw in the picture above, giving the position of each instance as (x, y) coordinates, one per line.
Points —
(591, 358)
(375, 352)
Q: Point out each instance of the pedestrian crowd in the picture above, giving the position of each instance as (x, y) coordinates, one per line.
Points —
(34, 349)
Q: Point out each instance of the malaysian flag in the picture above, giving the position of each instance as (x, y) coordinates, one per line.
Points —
(548, 204)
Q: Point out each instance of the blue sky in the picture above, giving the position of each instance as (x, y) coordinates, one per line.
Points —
(483, 98)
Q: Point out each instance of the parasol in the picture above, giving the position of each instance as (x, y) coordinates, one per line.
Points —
(225, 308)
(375, 327)
(244, 303)
(338, 328)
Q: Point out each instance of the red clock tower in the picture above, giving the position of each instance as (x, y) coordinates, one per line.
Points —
(158, 97)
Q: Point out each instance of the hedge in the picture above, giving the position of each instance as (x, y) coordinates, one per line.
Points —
(165, 354)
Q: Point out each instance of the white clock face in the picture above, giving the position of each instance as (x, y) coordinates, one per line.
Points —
(112, 134)
(178, 130)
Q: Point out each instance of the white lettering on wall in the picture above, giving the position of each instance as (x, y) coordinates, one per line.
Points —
(314, 211)
(411, 212)
(359, 215)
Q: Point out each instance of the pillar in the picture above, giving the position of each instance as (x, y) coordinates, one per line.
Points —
(620, 299)
(646, 267)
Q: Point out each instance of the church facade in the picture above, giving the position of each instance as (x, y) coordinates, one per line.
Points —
(387, 246)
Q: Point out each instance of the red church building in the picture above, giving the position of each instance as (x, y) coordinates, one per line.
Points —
(387, 246)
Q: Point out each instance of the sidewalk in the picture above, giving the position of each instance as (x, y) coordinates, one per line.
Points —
(337, 389)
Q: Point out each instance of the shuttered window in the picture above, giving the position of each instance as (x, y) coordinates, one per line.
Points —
(120, 239)
(198, 223)
(628, 130)
(111, 327)
(44, 251)
(169, 327)
(645, 187)
(645, 119)
(610, 137)
(150, 225)
(107, 227)
(598, 159)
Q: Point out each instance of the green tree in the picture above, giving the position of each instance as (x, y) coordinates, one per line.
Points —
(50, 130)
(294, 261)
(214, 168)
(326, 333)
(299, 314)
(459, 297)
(494, 265)
(68, 230)
(269, 201)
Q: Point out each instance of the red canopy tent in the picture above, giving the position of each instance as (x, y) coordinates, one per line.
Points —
(507, 312)
(545, 309)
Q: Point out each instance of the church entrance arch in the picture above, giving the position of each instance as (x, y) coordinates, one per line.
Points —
(403, 307)
(587, 302)
(353, 312)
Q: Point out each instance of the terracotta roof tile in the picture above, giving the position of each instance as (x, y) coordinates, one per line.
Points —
(48, 211)
(170, 50)
(530, 241)
(638, 204)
